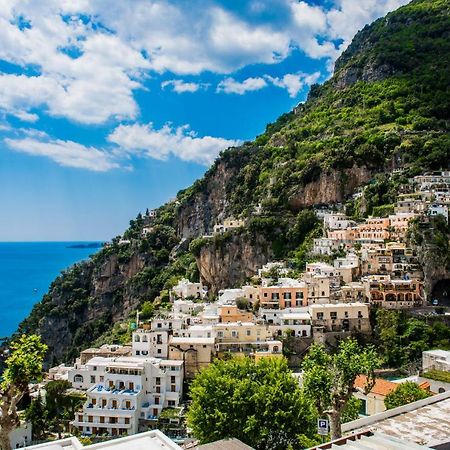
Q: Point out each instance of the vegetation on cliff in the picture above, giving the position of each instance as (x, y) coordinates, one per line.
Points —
(386, 106)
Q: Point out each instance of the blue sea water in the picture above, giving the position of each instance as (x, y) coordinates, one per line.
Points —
(26, 271)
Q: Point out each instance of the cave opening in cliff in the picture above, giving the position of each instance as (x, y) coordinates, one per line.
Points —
(441, 293)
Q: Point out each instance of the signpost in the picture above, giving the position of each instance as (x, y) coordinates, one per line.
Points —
(323, 427)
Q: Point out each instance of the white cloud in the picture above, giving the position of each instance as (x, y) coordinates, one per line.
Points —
(88, 57)
(180, 86)
(145, 141)
(231, 86)
(65, 153)
(294, 82)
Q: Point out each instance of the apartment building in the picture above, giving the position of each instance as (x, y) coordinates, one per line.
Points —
(105, 351)
(319, 288)
(187, 289)
(245, 338)
(337, 221)
(231, 313)
(348, 267)
(296, 322)
(230, 223)
(195, 352)
(154, 343)
(129, 392)
(340, 317)
(393, 293)
(286, 293)
(325, 246)
(325, 270)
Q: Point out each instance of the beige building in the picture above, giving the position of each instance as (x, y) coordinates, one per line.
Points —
(196, 352)
(231, 313)
(340, 317)
(105, 351)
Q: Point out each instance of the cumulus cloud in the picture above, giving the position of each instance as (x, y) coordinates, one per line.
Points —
(180, 86)
(231, 86)
(145, 141)
(64, 153)
(294, 82)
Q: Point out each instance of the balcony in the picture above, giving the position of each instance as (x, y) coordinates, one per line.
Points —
(100, 389)
(97, 424)
(107, 410)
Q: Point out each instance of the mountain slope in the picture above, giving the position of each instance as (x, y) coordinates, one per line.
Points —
(387, 106)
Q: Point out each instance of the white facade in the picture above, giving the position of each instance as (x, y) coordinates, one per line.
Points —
(150, 440)
(188, 289)
(436, 209)
(131, 390)
(298, 323)
(186, 307)
(154, 343)
(436, 359)
(229, 295)
(325, 246)
(338, 221)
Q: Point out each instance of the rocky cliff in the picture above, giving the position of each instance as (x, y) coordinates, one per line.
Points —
(387, 106)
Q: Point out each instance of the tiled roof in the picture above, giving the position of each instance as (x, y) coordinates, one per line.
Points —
(381, 387)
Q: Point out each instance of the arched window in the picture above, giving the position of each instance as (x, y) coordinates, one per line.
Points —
(276, 349)
(78, 379)
(441, 390)
(144, 338)
(137, 338)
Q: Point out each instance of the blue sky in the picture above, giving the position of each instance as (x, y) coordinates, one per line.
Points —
(107, 108)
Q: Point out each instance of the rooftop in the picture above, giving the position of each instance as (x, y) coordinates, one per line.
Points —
(381, 387)
(225, 444)
(150, 440)
(425, 422)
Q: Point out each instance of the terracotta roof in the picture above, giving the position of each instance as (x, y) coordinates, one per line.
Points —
(381, 387)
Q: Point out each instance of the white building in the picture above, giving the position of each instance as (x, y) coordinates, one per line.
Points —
(436, 359)
(187, 289)
(150, 440)
(229, 295)
(320, 268)
(186, 307)
(228, 224)
(337, 221)
(325, 246)
(297, 323)
(153, 343)
(436, 209)
(131, 391)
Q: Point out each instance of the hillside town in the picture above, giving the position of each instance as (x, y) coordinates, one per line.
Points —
(354, 268)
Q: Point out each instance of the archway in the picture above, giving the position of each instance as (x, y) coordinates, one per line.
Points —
(441, 293)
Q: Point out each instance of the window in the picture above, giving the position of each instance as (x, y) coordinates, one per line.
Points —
(156, 400)
(138, 352)
(92, 379)
(320, 316)
(323, 293)
(265, 294)
(299, 295)
(234, 333)
(220, 334)
(346, 314)
(287, 295)
(137, 338)
(159, 325)
(158, 351)
(78, 378)
(333, 315)
(144, 338)
(172, 378)
(158, 389)
(249, 332)
(173, 388)
(275, 296)
(171, 403)
(158, 380)
(127, 420)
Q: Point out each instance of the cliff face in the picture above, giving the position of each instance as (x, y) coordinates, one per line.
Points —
(386, 106)
(230, 262)
(330, 187)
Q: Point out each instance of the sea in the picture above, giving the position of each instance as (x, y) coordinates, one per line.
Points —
(26, 271)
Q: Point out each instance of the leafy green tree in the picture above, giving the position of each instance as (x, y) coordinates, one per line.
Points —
(328, 379)
(407, 392)
(243, 303)
(23, 366)
(387, 330)
(147, 310)
(36, 414)
(259, 403)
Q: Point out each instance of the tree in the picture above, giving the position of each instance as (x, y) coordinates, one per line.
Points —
(407, 392)
(259, 403)
(23, 366)
(36, 414)
(328, 379)
(243, 303)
